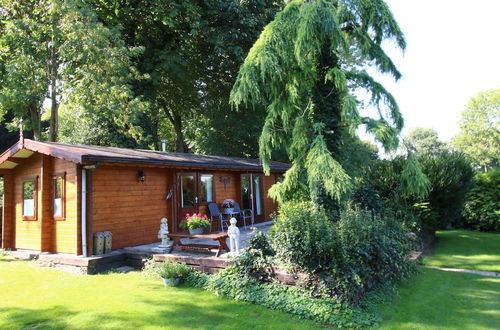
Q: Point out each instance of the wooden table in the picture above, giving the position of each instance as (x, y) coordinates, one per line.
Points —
(218, 237)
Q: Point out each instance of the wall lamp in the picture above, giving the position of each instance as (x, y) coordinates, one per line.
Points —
(141, 175)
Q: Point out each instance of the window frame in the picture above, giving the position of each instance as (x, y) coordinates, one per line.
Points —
(214, 198)
(61, 175)
(33, 217)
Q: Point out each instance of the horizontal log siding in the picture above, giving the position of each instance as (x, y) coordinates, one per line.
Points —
(28, 232)
(8, 218)
(64, 232)
(270, 206)
(130, 209)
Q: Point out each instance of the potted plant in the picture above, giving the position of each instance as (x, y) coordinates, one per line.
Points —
(196, 223)
(173, 272)
(228, 205)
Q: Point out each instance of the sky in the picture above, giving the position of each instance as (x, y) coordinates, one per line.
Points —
(453, 52)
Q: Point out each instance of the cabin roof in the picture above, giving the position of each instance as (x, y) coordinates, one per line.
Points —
(87, 154)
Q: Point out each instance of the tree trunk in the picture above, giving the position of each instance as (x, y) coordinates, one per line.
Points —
(54, 112)
(35, 120)
(176, 120)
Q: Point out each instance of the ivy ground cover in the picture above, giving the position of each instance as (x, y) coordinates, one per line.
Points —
(43, 298)
(466, 249)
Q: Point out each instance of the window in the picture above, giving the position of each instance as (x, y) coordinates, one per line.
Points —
(59, 191)
(29, 199)
(207, 188)
(188, 189)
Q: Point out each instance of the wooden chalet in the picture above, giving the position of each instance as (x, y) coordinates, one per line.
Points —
(57, 196)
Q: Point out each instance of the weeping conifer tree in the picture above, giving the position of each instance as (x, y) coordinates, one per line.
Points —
(306, 68)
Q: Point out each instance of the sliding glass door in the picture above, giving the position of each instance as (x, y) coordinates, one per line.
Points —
(251, 195)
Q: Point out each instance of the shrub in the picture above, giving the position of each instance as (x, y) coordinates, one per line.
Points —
(482, 209)
(256, 261)
(376, 249)
(306, 238)
(451, 175)
(171, 269)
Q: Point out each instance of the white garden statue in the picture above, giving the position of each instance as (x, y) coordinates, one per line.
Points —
(234, 237)
(163, 234)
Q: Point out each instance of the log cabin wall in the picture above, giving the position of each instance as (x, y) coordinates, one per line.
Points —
(28, 232)
(270, 206)
(127, 207)
(8, 225)
(64, 230)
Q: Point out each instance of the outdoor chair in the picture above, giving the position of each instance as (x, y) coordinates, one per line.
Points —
(216, 215)
(244, 214)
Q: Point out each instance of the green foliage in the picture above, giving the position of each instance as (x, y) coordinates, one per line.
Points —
(305, 69)
(59, 49)
(482, 208)
(171, 269)
(450, 175)
(193, 50)
(414, 183)
(257, 259)
(230, 283)
(376, 250)
(346, 258)
(479, 135)
(305, 237)
(425, 142)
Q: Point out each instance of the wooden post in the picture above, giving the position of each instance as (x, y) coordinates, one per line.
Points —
(9, 223)
(47, 209)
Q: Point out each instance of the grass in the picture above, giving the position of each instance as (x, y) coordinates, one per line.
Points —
(435, 299)
(466, 249)
(42, 298)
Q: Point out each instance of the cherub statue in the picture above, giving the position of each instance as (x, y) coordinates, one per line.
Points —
(234, 237)
(163, 233)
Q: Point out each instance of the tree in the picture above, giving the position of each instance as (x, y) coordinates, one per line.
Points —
(479, 135)
(305, 69)
(192, 52)
(425, 142)
(58, 50)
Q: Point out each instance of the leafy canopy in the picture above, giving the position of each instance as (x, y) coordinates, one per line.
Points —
(479, 135)
(306, 68)
(59, 49)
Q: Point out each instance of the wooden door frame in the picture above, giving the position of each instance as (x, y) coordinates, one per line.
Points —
(177, 200)
(179, 194)
(252, 194)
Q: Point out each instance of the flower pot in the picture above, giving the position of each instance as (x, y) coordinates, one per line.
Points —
(196, 231)
(229, 210)
(171, 281)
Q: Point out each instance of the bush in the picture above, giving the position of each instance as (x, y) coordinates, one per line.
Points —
(376, 249)
(306, 238)
(171, 269)
(257, 259)
(346, 258)
(450, 174)
(482, 209)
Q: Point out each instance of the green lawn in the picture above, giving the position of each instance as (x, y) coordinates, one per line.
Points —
(466, 249)
(435, 299)
(43, 298)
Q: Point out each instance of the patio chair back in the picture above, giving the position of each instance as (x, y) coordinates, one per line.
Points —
(216, 215)
(244, 214)
(214, 210)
